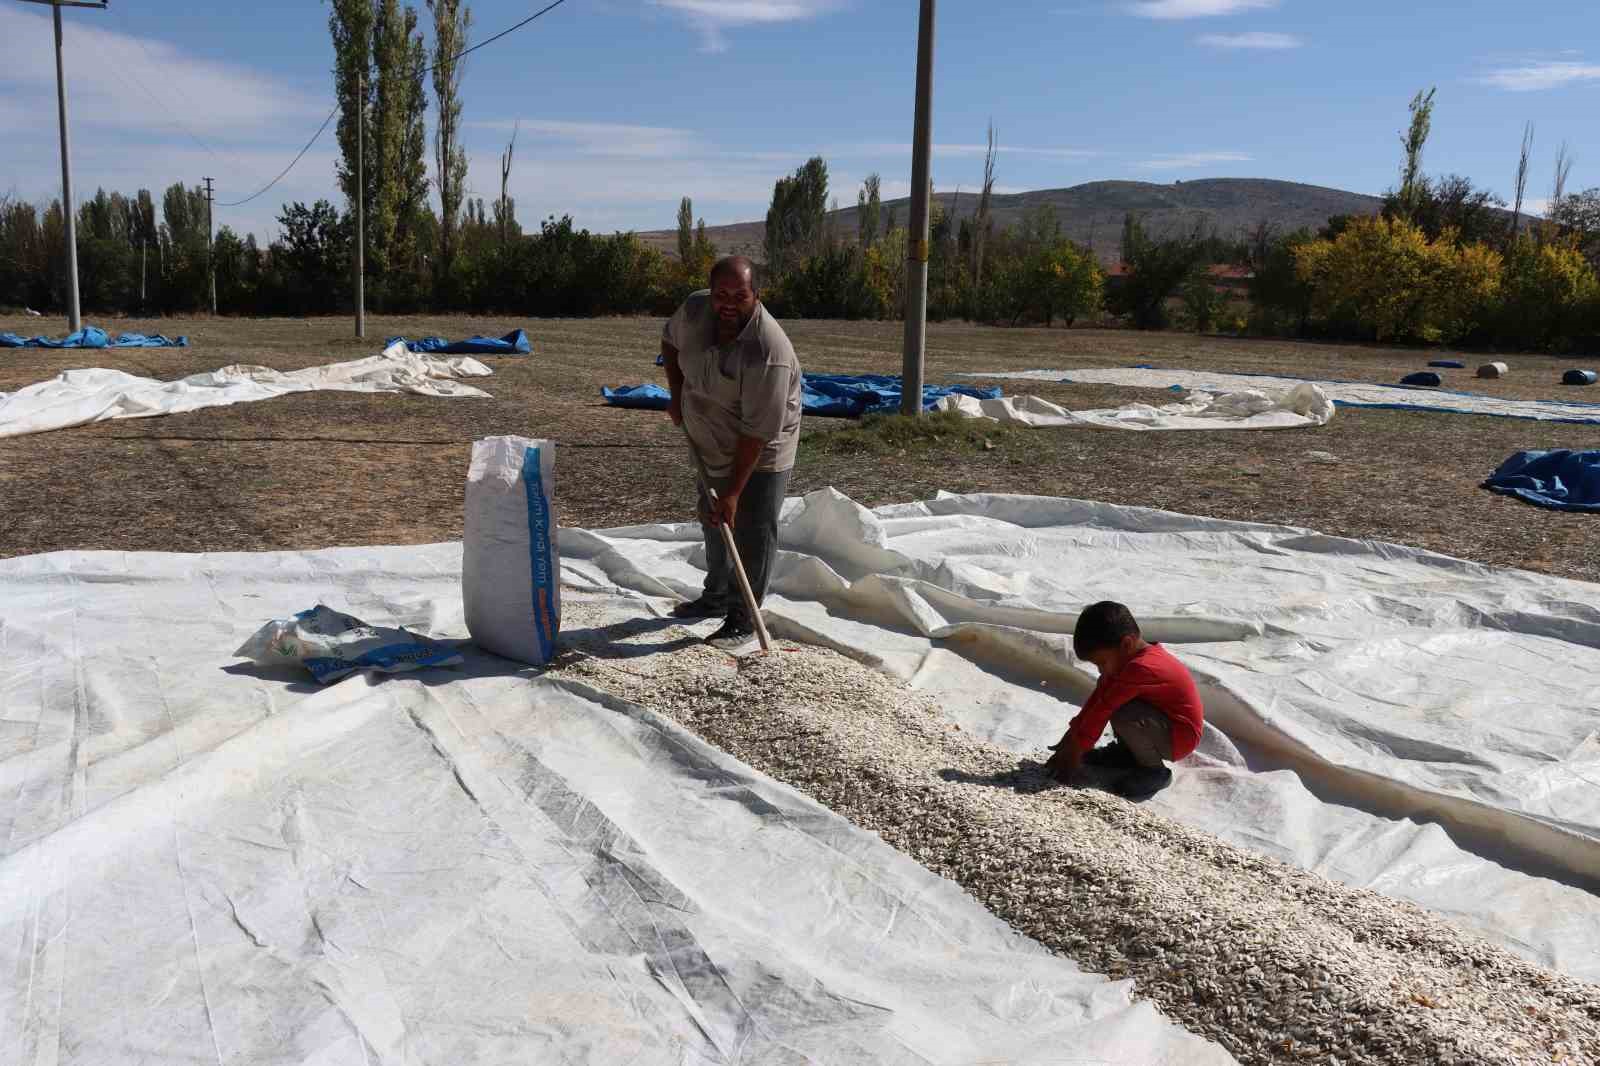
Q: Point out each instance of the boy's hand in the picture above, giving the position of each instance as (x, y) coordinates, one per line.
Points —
(1066, 760)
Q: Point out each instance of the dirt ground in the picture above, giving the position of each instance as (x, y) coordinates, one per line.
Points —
(325, 469)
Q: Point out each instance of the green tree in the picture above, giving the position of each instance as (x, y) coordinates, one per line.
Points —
(868, 208)
(1155, 270)
(312, 256)
(451, 21)
(1382, 279)
(1547, 293)
(350, 24)
(1066, 281)
(1281, 297)
(796, 219)
(685, 231)
(398, 153)
(1578, 216)
(1412, 142)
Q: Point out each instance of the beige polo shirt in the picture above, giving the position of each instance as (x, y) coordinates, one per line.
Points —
(750, 387)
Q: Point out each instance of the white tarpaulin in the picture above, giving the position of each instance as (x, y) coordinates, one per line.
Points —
(1351, 393)
(78, 397)
(1304, 405)
(1356, 690)
(206, 861)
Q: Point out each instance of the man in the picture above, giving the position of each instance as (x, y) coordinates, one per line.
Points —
(736, 393)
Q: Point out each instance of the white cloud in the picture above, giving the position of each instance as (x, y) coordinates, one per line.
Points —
(1264, 41)
(132, 83)
(1541, 74)
(1193, 9)
(1193, 160)
(712, 17)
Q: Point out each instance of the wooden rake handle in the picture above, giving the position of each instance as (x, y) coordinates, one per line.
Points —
(733, 553)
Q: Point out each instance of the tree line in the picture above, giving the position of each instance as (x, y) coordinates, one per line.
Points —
(1443, 261)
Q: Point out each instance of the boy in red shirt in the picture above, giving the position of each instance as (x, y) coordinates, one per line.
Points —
(1145, 694)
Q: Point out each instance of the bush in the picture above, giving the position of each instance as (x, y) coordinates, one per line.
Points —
(833, 283)
(1381, 279)
(1202, 303)
(1156, 269)
(1548, 294)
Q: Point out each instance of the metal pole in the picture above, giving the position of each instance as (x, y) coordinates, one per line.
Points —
(211, 248)
(142, 257)
(74, 320)
(361, 196)
(917, 242)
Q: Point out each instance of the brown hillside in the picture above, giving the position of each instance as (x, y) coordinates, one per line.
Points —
(1092, 213)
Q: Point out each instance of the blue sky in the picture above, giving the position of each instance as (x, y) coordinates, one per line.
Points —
(626, 105)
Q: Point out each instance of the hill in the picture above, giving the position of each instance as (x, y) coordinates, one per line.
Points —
(1092, 213)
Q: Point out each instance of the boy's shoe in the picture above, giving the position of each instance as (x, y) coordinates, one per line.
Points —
(734, 634)
(1114, 756)
(698, 608)
(1143, 782)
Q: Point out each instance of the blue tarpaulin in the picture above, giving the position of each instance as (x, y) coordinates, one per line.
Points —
(825, 395)
(1421, 377)
(1579, 377)
(94, 337)
(513, 343)
(1448, 364)
(1564, 479)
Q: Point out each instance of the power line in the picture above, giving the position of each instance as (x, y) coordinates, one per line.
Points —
(285, 170)
(496, 37)
(426, 70)
(159, 101)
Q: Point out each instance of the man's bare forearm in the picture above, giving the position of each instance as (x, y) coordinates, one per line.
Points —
(745, 457)
(669, 356)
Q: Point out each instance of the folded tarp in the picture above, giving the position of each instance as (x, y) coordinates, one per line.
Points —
(1304, 405)
(94, 337)
(824, 395)
(1565, 480)
(513, 343)
(96, 394)
(1579, 377)
(1422, 377)
(1343, 393)
(1448, 364)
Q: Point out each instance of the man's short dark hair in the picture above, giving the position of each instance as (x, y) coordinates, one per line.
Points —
(735, 265)
(1102, 625)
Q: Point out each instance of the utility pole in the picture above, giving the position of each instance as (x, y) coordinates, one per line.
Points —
(211, 247)
(74, 320)
(917, 242)
(361, 196)
(142, 257)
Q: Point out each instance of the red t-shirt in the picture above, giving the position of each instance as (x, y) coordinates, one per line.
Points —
(1155, 676)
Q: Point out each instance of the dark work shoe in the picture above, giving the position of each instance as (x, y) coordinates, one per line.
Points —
(1142, 783)
(734, 635)
(698, 608)
(1114, 756)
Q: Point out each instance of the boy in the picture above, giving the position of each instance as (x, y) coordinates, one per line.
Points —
(1147, 696)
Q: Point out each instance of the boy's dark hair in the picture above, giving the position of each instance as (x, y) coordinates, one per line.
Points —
(1102, 625)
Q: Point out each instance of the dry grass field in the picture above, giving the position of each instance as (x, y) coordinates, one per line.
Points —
(326, 469)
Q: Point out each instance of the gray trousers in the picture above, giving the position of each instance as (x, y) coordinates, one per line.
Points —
(1144, 731)
(755, 535)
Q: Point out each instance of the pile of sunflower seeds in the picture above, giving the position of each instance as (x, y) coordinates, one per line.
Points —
(1276, 964)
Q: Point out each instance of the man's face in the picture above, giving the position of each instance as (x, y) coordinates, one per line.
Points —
(733, 299)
